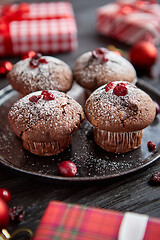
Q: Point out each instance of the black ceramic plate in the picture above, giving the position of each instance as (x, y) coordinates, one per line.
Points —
(93, 162)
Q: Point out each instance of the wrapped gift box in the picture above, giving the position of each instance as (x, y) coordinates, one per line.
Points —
(45, 27)
(70, 221)
(130, 21)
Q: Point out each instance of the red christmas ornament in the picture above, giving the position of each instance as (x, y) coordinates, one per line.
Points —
(5, 194)
(4, 214)
(143, 55)
(5, 67)
(30, 54)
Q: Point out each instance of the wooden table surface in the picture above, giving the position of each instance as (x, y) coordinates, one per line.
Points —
(131, 192)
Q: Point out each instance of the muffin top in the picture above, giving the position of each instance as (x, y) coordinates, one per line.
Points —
(120, 107)
(98, 67)
(45, 115)
(40, 72)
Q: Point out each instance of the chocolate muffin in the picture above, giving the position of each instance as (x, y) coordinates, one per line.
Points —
(98, 67)
(40, 72)
(119, 112)
(45, 121)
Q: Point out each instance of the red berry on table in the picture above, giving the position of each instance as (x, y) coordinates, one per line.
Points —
(67, 169)
(143, 54)
(16, 213)
(30, 54)
(151, 145)
(4, 214)
(120, 89)
(155, 177)
(109, 86)
(5, 194)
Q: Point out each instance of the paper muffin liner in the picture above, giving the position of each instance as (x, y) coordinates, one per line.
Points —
(118, 142)
(48, 148)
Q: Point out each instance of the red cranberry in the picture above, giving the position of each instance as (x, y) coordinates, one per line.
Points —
(47, 95)
(33, 63)
(157, 108)
(67, 169)
(5, 194)
(109, 86)
(151, 145)
(34, 98)
(155, 177)
(44, 92)
(16, 213)
(120, 89)
(42, 60)
(101, 54)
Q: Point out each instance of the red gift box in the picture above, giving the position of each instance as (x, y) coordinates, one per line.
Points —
(130, 21)
(70, 221)
(45, 27)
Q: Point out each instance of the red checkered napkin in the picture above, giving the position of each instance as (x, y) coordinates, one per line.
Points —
(45, 27)
(62, 221)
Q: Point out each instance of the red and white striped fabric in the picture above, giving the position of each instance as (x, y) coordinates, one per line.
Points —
(130, 21)
(44, 27)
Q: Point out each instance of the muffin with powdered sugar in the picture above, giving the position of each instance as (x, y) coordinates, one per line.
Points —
(98, 67)
(45, 121)
(119, 112)
(39, 73)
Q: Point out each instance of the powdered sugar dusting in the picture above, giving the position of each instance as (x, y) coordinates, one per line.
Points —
(61, 115)
(89, 69)
(105, 109)
(54, 75)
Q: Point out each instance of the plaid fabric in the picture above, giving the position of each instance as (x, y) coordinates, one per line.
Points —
(62, 221)
(46, 27)
(135, 20)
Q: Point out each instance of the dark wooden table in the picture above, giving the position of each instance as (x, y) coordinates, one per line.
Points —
(131, 192)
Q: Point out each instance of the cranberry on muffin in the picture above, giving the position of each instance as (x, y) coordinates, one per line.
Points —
(40, 72)
(45, 121)
(119, 112)
(98, 67)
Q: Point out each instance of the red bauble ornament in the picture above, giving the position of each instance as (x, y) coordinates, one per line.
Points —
(29, 54)
(143, 55)
(5, 194)
(5, 67)
(4, 214)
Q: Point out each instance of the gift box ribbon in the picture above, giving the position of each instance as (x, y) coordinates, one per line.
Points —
(19, 12)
